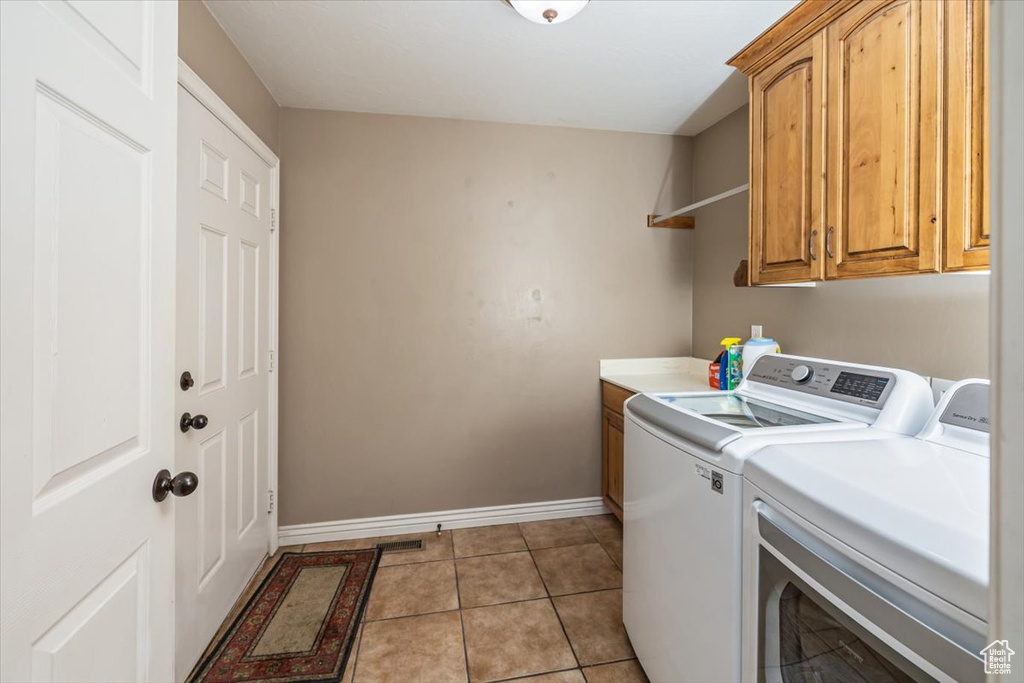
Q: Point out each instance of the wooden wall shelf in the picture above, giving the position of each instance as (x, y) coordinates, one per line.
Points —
(684, 222)
(679, 219)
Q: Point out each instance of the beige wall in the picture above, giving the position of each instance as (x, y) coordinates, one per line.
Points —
(933, 324)
(447, 289)
(206, 48)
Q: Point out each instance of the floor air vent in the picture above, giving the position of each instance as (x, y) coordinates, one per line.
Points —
(400, 546)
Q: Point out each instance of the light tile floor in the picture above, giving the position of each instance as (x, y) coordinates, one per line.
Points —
(538, 602)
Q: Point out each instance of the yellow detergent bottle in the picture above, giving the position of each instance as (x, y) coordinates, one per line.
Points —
(718, 371)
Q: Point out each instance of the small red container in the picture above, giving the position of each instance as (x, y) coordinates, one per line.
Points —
(714, 376)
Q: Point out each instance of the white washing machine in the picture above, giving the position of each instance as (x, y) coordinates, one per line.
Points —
(684, 457)
(868, 561)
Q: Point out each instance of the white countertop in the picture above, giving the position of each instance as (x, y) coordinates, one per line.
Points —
(644, 375)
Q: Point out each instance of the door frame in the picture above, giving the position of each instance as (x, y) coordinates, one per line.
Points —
(1006, 555)
(191, 81)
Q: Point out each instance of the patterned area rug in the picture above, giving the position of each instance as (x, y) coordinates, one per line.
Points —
(299, 625)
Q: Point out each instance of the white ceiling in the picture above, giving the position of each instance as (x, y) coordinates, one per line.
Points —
(654, 66)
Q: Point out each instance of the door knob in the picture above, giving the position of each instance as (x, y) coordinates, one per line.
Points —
(186, 382)
(188, 421)
(182, 484)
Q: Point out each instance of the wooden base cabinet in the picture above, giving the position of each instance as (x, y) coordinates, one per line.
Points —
(868, 141)
(612, 446)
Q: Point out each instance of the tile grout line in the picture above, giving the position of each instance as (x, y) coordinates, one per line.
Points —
(559, 615)
(555, 609)
(593, 540)
(407, 616)
(546, 673)
(609, 555)
(359, 646)
(634, 658)
(527, 550)
(590, 592)
(458, 600)
(605, 549)
(600, 590)
(524, 549)
(489, 555)
(512, 602)
(603, 546)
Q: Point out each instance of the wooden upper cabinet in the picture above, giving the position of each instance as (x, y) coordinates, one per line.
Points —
(884, 139)
(868, 125)
(786, 126)
(966, 231)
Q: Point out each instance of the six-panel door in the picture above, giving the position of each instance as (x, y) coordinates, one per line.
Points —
(224, 228)
(884, 139)
(786, 184)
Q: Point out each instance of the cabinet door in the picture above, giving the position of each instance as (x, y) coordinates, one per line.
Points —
(965, 229)
(786, 183)
(614, 447)
(884, 175)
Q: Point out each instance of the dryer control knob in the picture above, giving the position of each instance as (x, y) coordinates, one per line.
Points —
(802, 374)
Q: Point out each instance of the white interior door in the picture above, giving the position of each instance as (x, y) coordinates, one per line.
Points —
(87, 254)
(224, 226)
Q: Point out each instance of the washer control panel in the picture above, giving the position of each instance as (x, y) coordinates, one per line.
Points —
(848, 383)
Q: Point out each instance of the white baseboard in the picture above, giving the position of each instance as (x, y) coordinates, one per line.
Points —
(366, 527)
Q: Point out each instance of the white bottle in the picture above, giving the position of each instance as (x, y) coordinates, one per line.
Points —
(754, 349)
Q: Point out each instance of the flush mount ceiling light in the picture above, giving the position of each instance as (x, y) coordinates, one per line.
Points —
(547, 11)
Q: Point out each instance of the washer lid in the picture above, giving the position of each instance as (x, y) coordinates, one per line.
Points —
(710, 434)
(736, 410)
(715, 419)
(915, 507)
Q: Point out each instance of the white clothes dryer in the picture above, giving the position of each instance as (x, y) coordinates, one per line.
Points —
(869, 560)
(684, 458)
